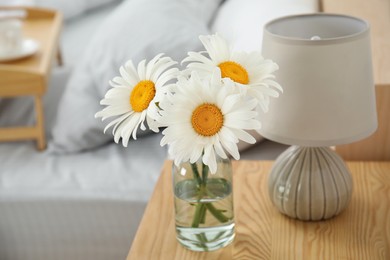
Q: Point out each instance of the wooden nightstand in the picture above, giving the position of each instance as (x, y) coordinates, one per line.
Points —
(29, 76)
(362, 231)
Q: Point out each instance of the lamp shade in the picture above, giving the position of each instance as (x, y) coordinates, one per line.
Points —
(325, 70)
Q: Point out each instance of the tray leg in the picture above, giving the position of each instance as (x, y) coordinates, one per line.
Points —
(41, 140)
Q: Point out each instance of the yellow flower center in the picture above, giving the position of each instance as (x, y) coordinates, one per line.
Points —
(207, 119)
(234, 71)
(141, 95)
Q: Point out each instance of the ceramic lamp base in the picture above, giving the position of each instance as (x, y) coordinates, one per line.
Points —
(310, 183)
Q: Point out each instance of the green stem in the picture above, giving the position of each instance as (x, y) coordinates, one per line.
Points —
(216, 213)
(198, 214)
(201, 208)
(205, 171)
(203, 215)
(196, 174)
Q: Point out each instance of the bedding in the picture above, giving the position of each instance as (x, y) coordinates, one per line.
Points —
(111, 171)
(72, 8)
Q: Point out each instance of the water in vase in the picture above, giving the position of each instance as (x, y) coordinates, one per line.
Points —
(204, 214)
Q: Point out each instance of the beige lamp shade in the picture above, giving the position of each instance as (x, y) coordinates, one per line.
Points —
(325, 70)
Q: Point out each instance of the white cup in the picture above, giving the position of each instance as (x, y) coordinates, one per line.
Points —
(10, 36)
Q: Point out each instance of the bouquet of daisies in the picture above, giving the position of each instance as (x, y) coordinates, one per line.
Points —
(205, 110)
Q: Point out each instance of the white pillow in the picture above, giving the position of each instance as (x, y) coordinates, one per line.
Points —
(137, 30)
(242, 21)
(71, 8)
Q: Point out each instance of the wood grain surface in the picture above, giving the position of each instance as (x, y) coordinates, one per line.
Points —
(362, 231)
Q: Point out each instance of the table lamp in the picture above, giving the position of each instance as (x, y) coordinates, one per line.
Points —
(325, 70)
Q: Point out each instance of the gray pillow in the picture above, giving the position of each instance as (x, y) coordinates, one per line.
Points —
(72, 8)
(137, 30)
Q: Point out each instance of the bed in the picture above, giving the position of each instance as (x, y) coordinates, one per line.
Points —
(83, 197)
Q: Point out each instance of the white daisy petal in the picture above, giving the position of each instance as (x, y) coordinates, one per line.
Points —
(111, 111)
(141, 70)
(197, 57)
(151, 65)
(117, 131)
(200, 67)
(197, 152)
(216, 47)
(161, 68)
(244, 136)
(128, 128)
(166, 76)
(117, 121)
(219, 150)
(244, 124)
(115, 102)
(229, 103)
(131, 70)
(117, 92)
(120, 81)
(140, 120)
(153, 124)
(209, 158)
(231, 148)
(126, 76)
(241, 115)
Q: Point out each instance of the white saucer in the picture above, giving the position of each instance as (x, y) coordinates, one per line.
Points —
(28, 48)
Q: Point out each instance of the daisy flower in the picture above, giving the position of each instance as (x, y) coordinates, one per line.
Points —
(205, 118)
(134, 96)
(248, 70)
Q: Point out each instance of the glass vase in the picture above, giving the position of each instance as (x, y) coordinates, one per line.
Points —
(203, 205)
